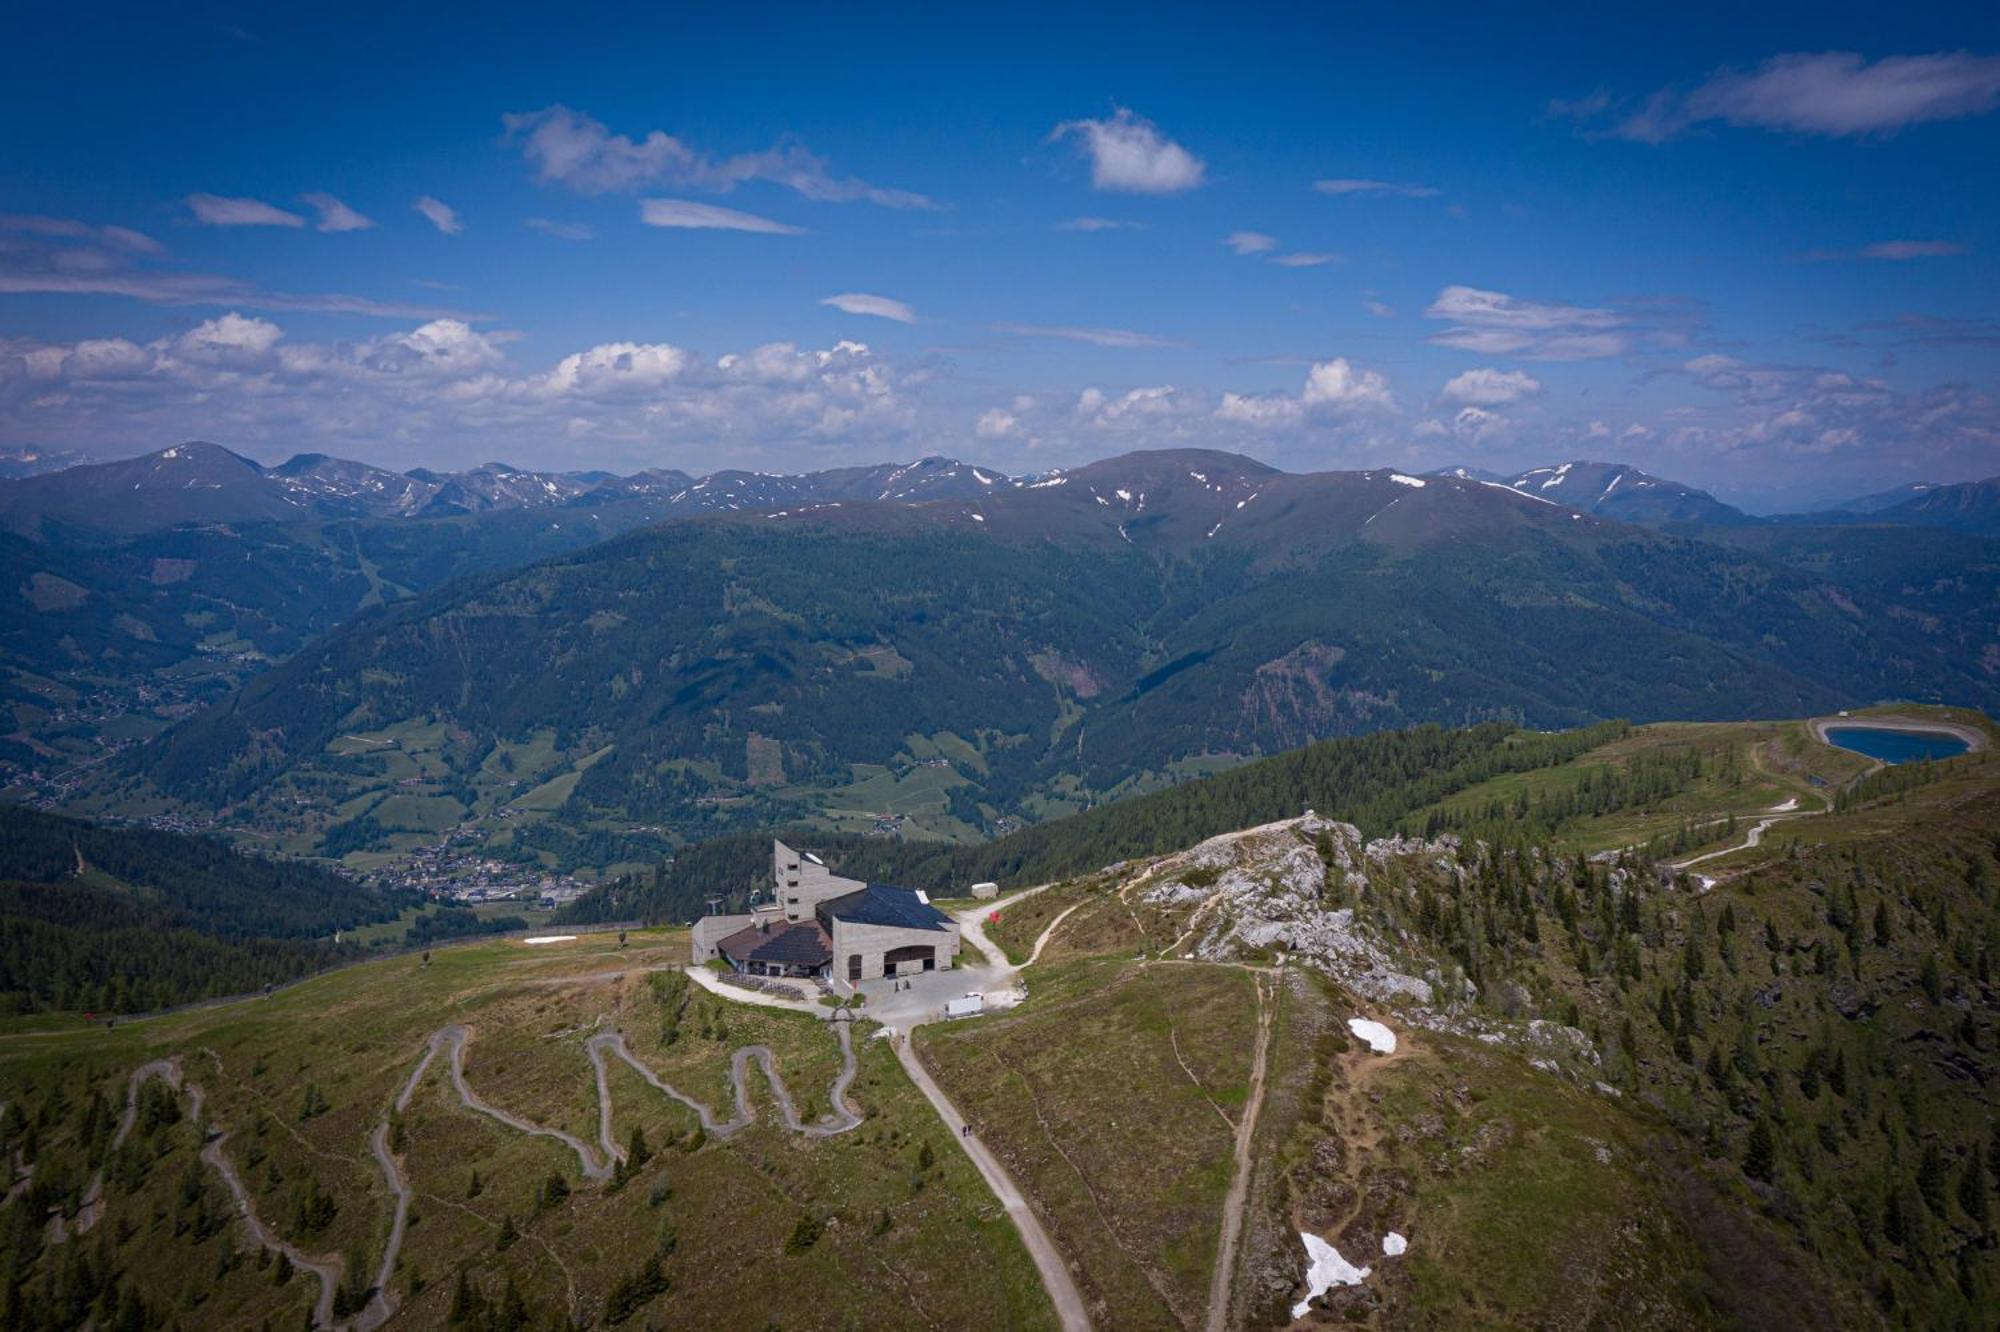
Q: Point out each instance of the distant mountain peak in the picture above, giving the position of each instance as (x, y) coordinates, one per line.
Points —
(202, 451)
(1621, 491)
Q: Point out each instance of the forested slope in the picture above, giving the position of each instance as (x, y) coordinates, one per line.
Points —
(122, 920)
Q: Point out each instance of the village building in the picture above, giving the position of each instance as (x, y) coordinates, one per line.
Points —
(820, 925)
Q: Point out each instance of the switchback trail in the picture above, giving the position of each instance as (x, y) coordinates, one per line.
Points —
(328, 1270)
(450, 1041)
(167, 1069)
(842, 1119)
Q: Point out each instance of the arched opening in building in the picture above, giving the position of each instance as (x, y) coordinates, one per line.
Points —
(897, 960)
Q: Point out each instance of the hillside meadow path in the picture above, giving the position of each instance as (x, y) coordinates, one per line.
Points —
(1784, 810)
(1221, 1280)
(997, 974)
(214, 1155)
(450, 1041)
(899, 1017)
(842, 1119)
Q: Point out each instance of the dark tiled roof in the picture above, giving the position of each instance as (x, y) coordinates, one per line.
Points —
(879, 904)
(789, 943)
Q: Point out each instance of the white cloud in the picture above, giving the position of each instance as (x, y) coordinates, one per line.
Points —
(1338, 384)
(122, 238)
(1379, 187)
(617, 369)
(1129, 154)
(1138, 409)
(216, 211)
(1099, 224)
(1895, 251)
(1906, 249)
(1830, 93)
(1257, 243)
(571, 149)
(569, 231)
(1490, 388)
(1265, 411)
(1334, 389)
(440, 214)
(445, 348)
(77, 260)
(882, 307)
(335, 215)
(1476, 423)
(701, 216)
(232, 339)
(450, 387)
(1495, 324)
(1096, 337)
(996, 424)
(88, 361)
(1378, 309)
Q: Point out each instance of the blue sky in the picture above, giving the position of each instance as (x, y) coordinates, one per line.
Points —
(1753, 252)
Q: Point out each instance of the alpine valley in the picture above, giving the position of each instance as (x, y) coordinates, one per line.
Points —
(933, 647)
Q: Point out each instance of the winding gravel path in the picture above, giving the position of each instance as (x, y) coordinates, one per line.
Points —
(92, 1206)
(452, 1040)
(328, 1270)
(1224, 1274)
(380, 1307)
(841, 1119)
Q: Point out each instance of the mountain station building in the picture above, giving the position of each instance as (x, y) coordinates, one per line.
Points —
(821, 926)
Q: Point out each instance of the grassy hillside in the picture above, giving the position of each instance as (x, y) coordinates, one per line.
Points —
(756, 1229)
(1751, 1095)
(1753, 1098)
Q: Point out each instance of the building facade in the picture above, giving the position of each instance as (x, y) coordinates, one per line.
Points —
(820, 925)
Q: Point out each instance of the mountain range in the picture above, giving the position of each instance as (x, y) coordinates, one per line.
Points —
(199, 482)
(1033, 649)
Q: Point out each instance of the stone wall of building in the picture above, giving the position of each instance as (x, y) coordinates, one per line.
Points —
(874, 942)
(712, 930)
(800, 883)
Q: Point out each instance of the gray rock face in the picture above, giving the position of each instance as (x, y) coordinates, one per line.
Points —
(1265, 889)
(1302, 887)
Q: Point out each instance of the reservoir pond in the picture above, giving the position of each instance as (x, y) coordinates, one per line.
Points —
(1896, 746)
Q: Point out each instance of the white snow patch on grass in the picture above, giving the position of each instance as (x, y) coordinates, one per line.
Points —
(548, 938)
(1394, 1244)
(1380, 1039)
(1325, 1269)
(1402, 480)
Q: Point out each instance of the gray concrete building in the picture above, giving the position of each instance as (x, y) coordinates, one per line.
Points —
(840, 930)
